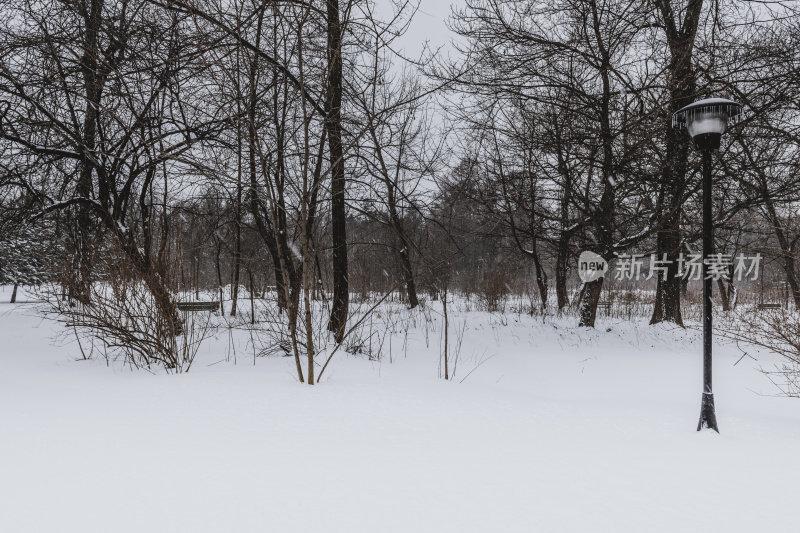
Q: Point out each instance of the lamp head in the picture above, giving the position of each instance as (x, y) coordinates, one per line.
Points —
(706, 120)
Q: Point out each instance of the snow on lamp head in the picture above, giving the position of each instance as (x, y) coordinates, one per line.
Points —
(706, 120)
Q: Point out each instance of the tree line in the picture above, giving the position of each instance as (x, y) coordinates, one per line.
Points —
(295, 145)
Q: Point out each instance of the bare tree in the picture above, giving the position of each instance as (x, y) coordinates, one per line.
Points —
(522, 55)
(109, 122)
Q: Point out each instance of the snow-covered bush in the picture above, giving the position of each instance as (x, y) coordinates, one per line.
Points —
(124, 322)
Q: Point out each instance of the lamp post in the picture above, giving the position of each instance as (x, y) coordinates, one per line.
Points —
(706, 120)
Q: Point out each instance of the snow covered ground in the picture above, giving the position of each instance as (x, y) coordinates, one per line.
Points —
(556, 429)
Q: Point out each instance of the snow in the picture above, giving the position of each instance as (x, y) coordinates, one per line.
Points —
(557, 428)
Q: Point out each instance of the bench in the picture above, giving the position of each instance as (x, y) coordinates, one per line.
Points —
(768, 306)
(606, 306)
(192, 307)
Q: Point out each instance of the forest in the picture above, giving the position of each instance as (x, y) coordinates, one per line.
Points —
(171, 147)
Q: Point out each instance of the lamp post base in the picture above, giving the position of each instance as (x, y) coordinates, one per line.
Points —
(708, 418)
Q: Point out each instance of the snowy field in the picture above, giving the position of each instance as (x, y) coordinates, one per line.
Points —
(554, 429)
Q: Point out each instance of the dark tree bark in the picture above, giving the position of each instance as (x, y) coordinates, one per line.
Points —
(562, 243)
(562, 298)
(604, 215)
(723, 294)
(403, 252)
(681, 81)
(252, 297)
(786, 246)
(565, 232)
(219, 276)
(237, 245)
(93, 86)
(405, 265)
(333, 125)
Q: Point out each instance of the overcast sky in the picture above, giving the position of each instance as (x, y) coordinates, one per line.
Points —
(429, 24)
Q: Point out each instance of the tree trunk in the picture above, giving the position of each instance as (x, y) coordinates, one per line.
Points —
(565, 232)
(681, 81)
(252, 296)
(408, 276)
(164, 301)
(541, 277)
(562, 298)
(81, 273)
(196, 278)
(604, 215)
(14, 294)
(219, 278)
(155, 283)
(237, 246)
(591, 297)
(403, 252)
(668, 286)
(280, 288)
(237, 256)
(446, 331)
(787, 253)
(723, 295)
(333, 124)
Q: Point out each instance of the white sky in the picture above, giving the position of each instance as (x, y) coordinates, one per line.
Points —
(429, 24)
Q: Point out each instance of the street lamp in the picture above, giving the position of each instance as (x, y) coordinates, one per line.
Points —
(706, 120)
